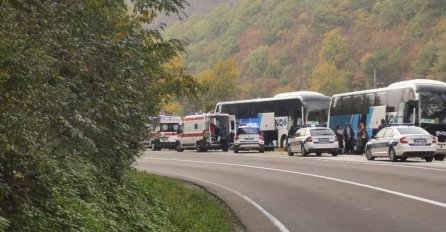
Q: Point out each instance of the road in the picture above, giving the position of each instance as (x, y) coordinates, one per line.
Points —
(274, 192)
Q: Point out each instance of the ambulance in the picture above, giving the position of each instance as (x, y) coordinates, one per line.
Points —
(202, 132)
(166, 133)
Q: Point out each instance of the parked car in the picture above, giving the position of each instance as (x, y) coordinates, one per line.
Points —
(249, 138)
(313, 140)
(401, 142)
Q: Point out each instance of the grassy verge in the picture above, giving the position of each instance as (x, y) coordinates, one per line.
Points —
(188, 207)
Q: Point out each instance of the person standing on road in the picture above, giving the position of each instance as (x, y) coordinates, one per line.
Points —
(363, 138)
(382, 125)
(223, 134)
(349, 134)
(340, 136)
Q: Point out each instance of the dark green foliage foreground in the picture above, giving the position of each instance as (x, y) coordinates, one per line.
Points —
(78, 79)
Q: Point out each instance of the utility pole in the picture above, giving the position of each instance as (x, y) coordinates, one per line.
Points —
(374, 78)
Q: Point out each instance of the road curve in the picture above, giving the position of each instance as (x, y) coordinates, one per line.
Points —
(272, 192)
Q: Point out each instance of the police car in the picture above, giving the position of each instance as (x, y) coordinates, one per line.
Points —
(313, 140)
(401, 142)
(249, 138)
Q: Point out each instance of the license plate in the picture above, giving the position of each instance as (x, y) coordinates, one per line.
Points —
(323, 140)
(419, 141)
(249, 138)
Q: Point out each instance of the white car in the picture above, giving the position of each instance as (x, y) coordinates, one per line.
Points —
(313, 140)
(249, 138)
(401, 142)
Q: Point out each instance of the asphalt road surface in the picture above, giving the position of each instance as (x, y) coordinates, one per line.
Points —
(274, 192)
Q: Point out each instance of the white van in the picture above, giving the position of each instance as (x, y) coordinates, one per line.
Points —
(166, 133)
(203, 131)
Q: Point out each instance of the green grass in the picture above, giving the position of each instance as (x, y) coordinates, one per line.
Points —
(188, 207)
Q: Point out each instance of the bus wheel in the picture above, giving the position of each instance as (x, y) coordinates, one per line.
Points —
(318, 154)
(392, 155)
(439, 157)
(304, 152)
(283, 142)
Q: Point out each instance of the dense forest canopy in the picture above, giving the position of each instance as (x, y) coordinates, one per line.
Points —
(329, 46)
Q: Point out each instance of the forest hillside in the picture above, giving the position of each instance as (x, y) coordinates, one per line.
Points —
(328, 46)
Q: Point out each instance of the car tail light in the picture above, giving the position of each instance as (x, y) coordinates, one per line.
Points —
(309, 139)
(237, 137)
(404, 140)
(434, 140)
(261, 137)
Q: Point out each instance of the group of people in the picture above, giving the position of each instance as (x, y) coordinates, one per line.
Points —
(347, 140)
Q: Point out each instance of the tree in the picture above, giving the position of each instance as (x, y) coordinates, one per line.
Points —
(78, 80)
(327, 79)
(219, 84)
(334, 49)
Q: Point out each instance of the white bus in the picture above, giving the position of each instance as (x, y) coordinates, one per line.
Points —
(277, 115)
(420, 102)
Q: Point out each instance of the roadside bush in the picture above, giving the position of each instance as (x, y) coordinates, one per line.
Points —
(78, 82)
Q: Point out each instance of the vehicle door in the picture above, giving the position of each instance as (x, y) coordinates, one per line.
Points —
(378, 143)
(390, 140)
(300, 140)
(232, 128)
(293, 141)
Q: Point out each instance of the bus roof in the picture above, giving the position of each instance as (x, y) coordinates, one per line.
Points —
(415, 84)
(301, 95)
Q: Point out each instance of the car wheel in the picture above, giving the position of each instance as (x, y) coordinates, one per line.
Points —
(334, 153)
(199, 148)
(235, 149)
(154, 148)
(179, 148)
(262, 150)
(304, 152)
(289, 151)
(439, 157)
(368, 154)
(392, 155)
(403, 158)
(318, 154)
(429, 159)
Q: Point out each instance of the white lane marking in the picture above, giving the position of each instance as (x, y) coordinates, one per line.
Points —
(437, 203)
(273, 219)
(338, 161)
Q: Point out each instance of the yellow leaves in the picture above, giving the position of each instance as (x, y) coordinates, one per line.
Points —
(327, 79)
(171, 108)
(335, 49)
(366, 57)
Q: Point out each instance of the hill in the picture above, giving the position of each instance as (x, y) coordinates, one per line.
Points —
(324, 45)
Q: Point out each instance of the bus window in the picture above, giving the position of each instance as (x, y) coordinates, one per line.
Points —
(433, 107)
(394, 97)
(381, 98)
(368, 101)
(345, 103)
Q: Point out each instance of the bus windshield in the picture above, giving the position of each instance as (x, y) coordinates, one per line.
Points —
(317, 112)
(433, 107)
